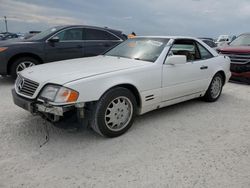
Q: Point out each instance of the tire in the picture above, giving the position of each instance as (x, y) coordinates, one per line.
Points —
(17, 65)
(114, 112)
(215, 88)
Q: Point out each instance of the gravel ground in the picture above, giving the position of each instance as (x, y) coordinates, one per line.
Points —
(192, 144)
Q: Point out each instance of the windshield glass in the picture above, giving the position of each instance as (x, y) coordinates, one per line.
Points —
(146, 49)
(45, 33)
(242, 40)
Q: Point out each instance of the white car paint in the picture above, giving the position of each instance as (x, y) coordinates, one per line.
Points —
(168, 84)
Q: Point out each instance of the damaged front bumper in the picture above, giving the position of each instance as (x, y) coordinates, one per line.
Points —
(50, 112)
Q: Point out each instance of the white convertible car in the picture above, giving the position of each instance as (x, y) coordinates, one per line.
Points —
(137, 76)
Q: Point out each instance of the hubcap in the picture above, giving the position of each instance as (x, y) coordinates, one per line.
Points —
(23, 65)
(118, 113)
(216, 87)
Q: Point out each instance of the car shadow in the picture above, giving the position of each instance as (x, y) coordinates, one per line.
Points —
(6, 81)
(239, 82)
(39, 129)
(33, 132)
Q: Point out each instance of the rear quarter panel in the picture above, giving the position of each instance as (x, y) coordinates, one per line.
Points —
(221, 63)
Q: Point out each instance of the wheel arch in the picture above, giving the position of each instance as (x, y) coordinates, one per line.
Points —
(222, 74)
(131, 88)
(20, 55)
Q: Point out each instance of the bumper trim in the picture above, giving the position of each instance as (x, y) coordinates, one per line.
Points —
(242, 74)
(23, 103)
(58, 111)
(34, 107)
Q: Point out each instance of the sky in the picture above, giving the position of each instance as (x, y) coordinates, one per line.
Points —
(199, 18)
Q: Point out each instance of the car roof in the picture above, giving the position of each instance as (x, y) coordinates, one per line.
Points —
(248, 33)
(89, 26)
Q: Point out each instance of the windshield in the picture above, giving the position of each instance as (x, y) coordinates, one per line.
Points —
(242, 40)
(45, 33)
(146, 49)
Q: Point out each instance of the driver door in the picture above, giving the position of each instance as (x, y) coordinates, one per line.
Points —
(181, 80)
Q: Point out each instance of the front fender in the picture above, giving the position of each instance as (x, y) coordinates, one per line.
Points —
(92, 88)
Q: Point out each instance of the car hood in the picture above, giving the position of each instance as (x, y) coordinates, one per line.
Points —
(62, 72)
(235, 49)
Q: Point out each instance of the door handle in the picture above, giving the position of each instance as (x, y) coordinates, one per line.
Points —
(203, 67)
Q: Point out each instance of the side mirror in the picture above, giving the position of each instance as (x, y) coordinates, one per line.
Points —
(54, 39)
(176, 59)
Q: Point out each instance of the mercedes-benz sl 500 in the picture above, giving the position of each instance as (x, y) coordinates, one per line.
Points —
(139, 75)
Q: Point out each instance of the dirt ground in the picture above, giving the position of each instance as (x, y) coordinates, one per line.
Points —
(192, 144)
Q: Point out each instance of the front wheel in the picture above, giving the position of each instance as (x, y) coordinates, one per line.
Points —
(21, 64)
(214, 89)
(114, 112)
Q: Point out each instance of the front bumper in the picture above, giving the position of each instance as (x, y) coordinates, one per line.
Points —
(242, 77)
(23, 103)
(37, 107)
(240, 72)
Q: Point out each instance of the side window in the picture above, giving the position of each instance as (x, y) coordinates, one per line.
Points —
(187, 48)
(210, 43)
(95, 34)
(205, 54)
(71, 34)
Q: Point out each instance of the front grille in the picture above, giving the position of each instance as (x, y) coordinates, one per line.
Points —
(238, 58)
(25, 86)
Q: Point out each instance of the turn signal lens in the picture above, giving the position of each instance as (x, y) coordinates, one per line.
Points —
(3, 49)
(66, 95)
(70, 95)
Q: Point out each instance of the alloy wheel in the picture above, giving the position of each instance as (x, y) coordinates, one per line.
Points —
(24, 65)
(118, 113)
(216, 87)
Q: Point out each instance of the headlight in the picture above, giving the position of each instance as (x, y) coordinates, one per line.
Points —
(66, 95)
(58, 94)
(3, 49)
(49, 92)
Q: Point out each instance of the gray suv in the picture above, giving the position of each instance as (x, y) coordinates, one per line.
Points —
(55, 44)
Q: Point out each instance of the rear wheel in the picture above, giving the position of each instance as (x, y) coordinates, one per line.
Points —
(114, 112)
(215, 88)
(21, 64)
